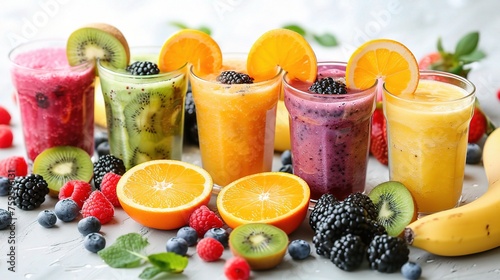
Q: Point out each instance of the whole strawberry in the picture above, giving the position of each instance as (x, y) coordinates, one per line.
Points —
(478, 126)
(378, 137)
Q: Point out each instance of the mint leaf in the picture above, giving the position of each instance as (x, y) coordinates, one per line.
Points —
(326, 40)
(472, 57)
(296, 28)
(205, 29)
(150, 272)
(179, 25)
(440, 45)
(467, 44)
(125, 252)
(169, 262)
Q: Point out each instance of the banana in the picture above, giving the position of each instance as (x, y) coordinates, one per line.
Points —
(468, 229)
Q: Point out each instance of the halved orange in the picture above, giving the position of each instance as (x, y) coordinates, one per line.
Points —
(282, 48)
(384, 59)
(190, 46)
(277, 198)
(162, 194)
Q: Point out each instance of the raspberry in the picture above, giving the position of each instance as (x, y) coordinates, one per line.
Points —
(6, 136)
(203, 219)
(209, 249)
(108, 187)
(237, 268)
(14, 166)
(98, 205)
(4, 116)
(77, 190)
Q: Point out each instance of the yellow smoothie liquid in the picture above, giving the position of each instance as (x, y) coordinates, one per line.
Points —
(427, 136)
(235, 123)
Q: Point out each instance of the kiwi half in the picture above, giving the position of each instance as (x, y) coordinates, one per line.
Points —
(98, 41)
(395, 206)
(61, 164)
(263, 246)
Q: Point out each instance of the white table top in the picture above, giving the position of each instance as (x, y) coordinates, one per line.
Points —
(58, 253)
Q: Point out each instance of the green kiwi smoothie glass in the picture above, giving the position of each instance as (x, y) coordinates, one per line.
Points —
(144, 113)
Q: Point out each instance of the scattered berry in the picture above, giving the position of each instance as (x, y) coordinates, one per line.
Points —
(47, 218)
(177, 245)
(98, 205)
(94, 242)
(474, 153)
(328, 85)
(286, 157)
(4, 116)
(237, 268)
(288, 168)
(189, 234)
(387, 253)
(209, 249)
(88, 225)
(100, 137)
(322, 209)
(5, 218)
(13, 166)
(77, 190)
(478, 126)
(299, 249)
(28, 192)
(411, 271)
(378, 136)
(233, 77)
(66, 210)
(103, 149)
(203, 219)
(348, 252)
(6, 136)
(142, 68)
(106, 164)
(365, 202)
(218, 234)
(4, 186)
(498, 94)
(108, 187)
(190, 122)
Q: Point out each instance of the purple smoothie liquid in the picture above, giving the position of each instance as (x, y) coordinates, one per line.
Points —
(330, 135)
(55, 99)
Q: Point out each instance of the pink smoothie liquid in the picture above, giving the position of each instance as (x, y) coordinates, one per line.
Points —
(55, 99)
(330, 135)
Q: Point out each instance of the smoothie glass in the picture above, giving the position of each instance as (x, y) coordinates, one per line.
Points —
(427, 135)
(235, 122)
(144, 114)
(330, 134)
(56, 100)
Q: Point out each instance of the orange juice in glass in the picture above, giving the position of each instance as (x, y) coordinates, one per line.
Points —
(427, 135)
(236, 122)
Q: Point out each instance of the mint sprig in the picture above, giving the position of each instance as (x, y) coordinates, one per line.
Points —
(325, 39)
(128, 252)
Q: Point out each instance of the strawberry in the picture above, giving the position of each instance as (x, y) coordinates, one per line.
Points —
(4, 116)
(13, 166)
(6, 136)
(427, 61)
(378, 137)
(480, 124)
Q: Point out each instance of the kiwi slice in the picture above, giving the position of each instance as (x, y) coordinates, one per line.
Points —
(262, 245)
(61, 164)
(98, 41)
(395, 206)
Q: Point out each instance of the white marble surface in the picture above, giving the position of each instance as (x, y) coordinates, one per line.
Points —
(58, 253)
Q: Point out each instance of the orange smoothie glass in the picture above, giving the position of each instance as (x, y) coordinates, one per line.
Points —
(235, 122)
(427, 134)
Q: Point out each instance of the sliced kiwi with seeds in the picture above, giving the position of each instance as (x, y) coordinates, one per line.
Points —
(98, 41)
(263, 246)
(395, 206)
(58, 165)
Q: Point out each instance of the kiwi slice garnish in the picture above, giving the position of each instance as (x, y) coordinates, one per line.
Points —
(58, 165)
(395, 206)
(263, 246)
(98, 41)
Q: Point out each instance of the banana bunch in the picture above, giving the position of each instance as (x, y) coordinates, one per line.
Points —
(468, 229)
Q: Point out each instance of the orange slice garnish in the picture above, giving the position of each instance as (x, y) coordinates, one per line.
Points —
(162, 194)
(277, 198)
(282, 48)
(384, 59)
(190, 46)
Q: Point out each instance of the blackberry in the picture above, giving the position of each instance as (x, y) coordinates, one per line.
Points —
(371, 229)
(142, 68)
(322, 209)
(348, 252)
(364, 201)
(233, 77)
(106, 164)
(387, 253)
(28, 192)
(190, 123)
(345, 218)
(328, 85)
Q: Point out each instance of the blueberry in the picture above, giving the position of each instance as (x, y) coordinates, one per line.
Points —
(66, 210)
(299, 249)
(4, 186)
(177, 245)
(99, 138)
(189, 234)
(47, 218)
(89, 225)
(94, 242)
(103, 148)
(219, 234)
(286, 157)
(5, 218)
(474, 153)
(287, 168)
(411, 270)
